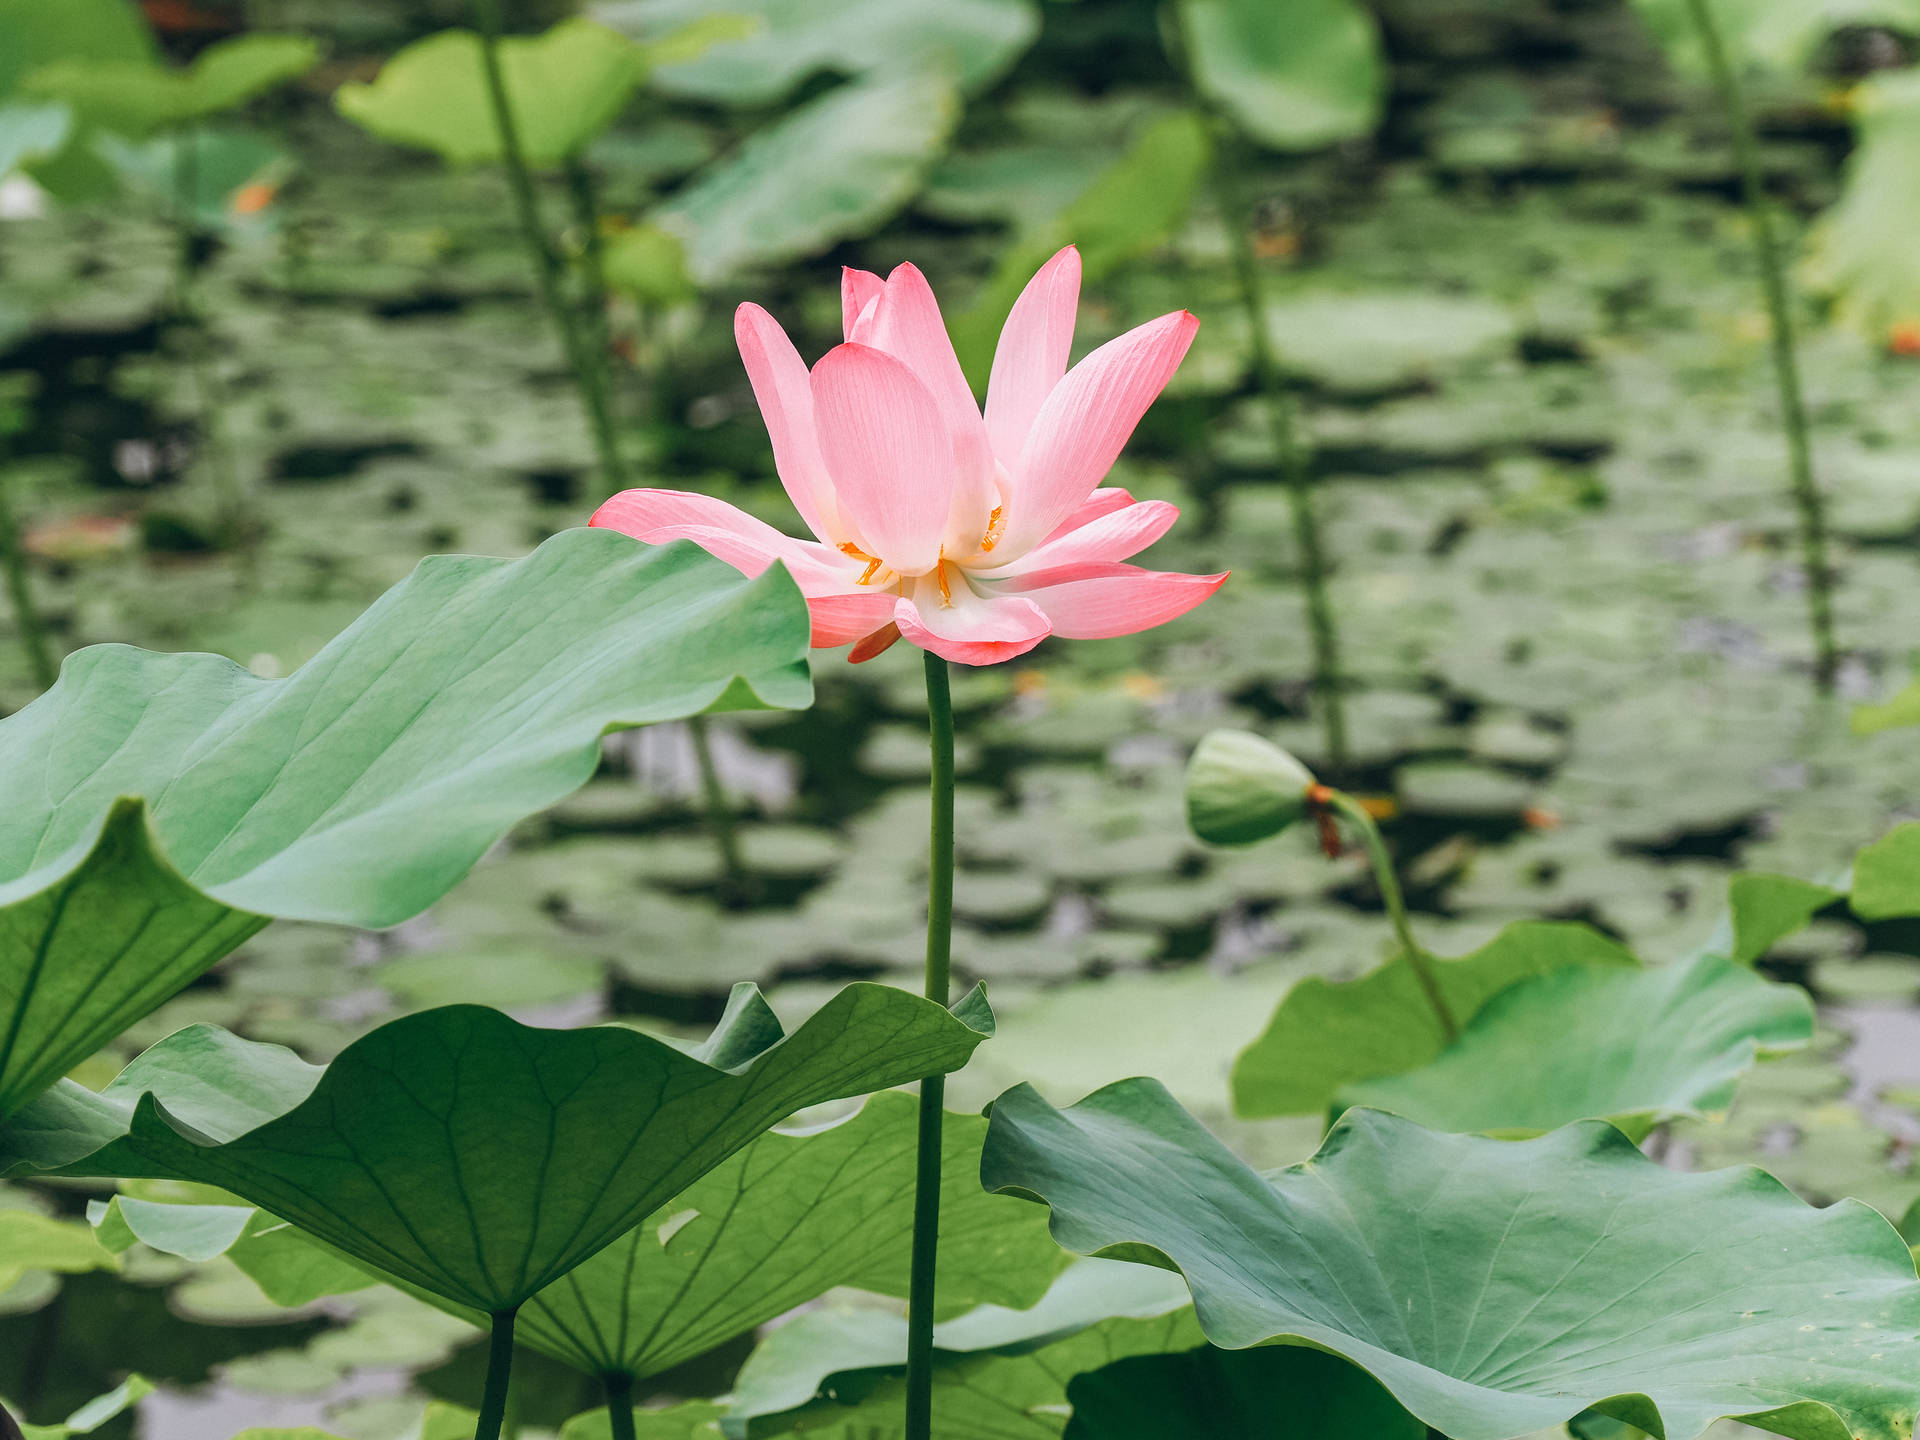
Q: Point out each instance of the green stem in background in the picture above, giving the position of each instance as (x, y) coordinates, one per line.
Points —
(26, 614)
(1327, 684)
(229, 500)
(593, 249)
(1389, 883)
(619, 1392)
(719, 813)
(933, 1089)
(1786, 364)
(493, 1400)
(546, 263)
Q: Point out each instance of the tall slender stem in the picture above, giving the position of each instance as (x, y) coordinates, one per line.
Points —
(1389, 883)
(1786, 363)
(585, 196)
(619, 1392)
(719, 814)
(26, 614)
(230, 502)
(546, 264)
(493, 1401)
(1327, 685)
(933, 1089)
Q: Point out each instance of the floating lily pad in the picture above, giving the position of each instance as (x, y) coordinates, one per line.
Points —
(1496, 1287)
(1600, 1042)
(424, 1148)
(1372, 342)
(158, 808)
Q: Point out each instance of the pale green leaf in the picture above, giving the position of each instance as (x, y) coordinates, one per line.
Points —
(564, 87)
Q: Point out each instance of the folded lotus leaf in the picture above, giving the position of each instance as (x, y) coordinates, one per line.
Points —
(155, 810)
(1497, 1287)
(480, 1159)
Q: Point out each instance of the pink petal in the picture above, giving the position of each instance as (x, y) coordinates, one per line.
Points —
(858, 289)
(1116, 536)
(1103, 501)
(1081, 428)
(781, 388)
(892, 465)
(1032, 354)
(844, 618)
(747, 544)
(906, 323)
(1097, 602)
(973, 629)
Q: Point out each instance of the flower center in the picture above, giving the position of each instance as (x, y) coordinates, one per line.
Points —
(996, 529)
(874, 562)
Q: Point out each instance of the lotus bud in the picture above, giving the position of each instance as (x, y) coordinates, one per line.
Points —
(1241, 788)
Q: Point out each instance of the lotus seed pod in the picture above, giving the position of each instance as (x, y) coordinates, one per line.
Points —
(1241, 788)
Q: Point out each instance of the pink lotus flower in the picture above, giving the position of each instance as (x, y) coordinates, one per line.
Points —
(973, 536)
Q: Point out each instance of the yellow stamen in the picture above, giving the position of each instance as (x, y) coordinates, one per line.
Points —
(847, 547)
(946, 591)
(996, 529)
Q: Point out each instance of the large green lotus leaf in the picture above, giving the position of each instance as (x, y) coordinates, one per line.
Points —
(31, 132)
(1886, 876)
(481, 1159)
(34, 34)
(1600, 1042)
(1497, 1287)
(1272, 1392)
(135, 97)
(32, 1241)
(781, 1223)
(999, 1374)
(1768, 908)
(95, 1413)
(1128, 208)
(786, 41)
(290, 1266)
(154, 808)
(1294, 74)
(1328, 1034)
(564, 87)
(1856, 254)
(836, 166)
(1766, 35)
(1902, 708)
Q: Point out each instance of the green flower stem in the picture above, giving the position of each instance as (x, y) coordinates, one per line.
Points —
(1327, 684)
(493, 1401)
(933, 1089)
(1389, 883)
(619, 1391)
(230, 502)
(719, 813)
(26, 614)
(546, 263)
(1786, 364)
(593, 302)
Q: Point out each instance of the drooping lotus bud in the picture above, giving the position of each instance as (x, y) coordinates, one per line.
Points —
(1241, 788)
